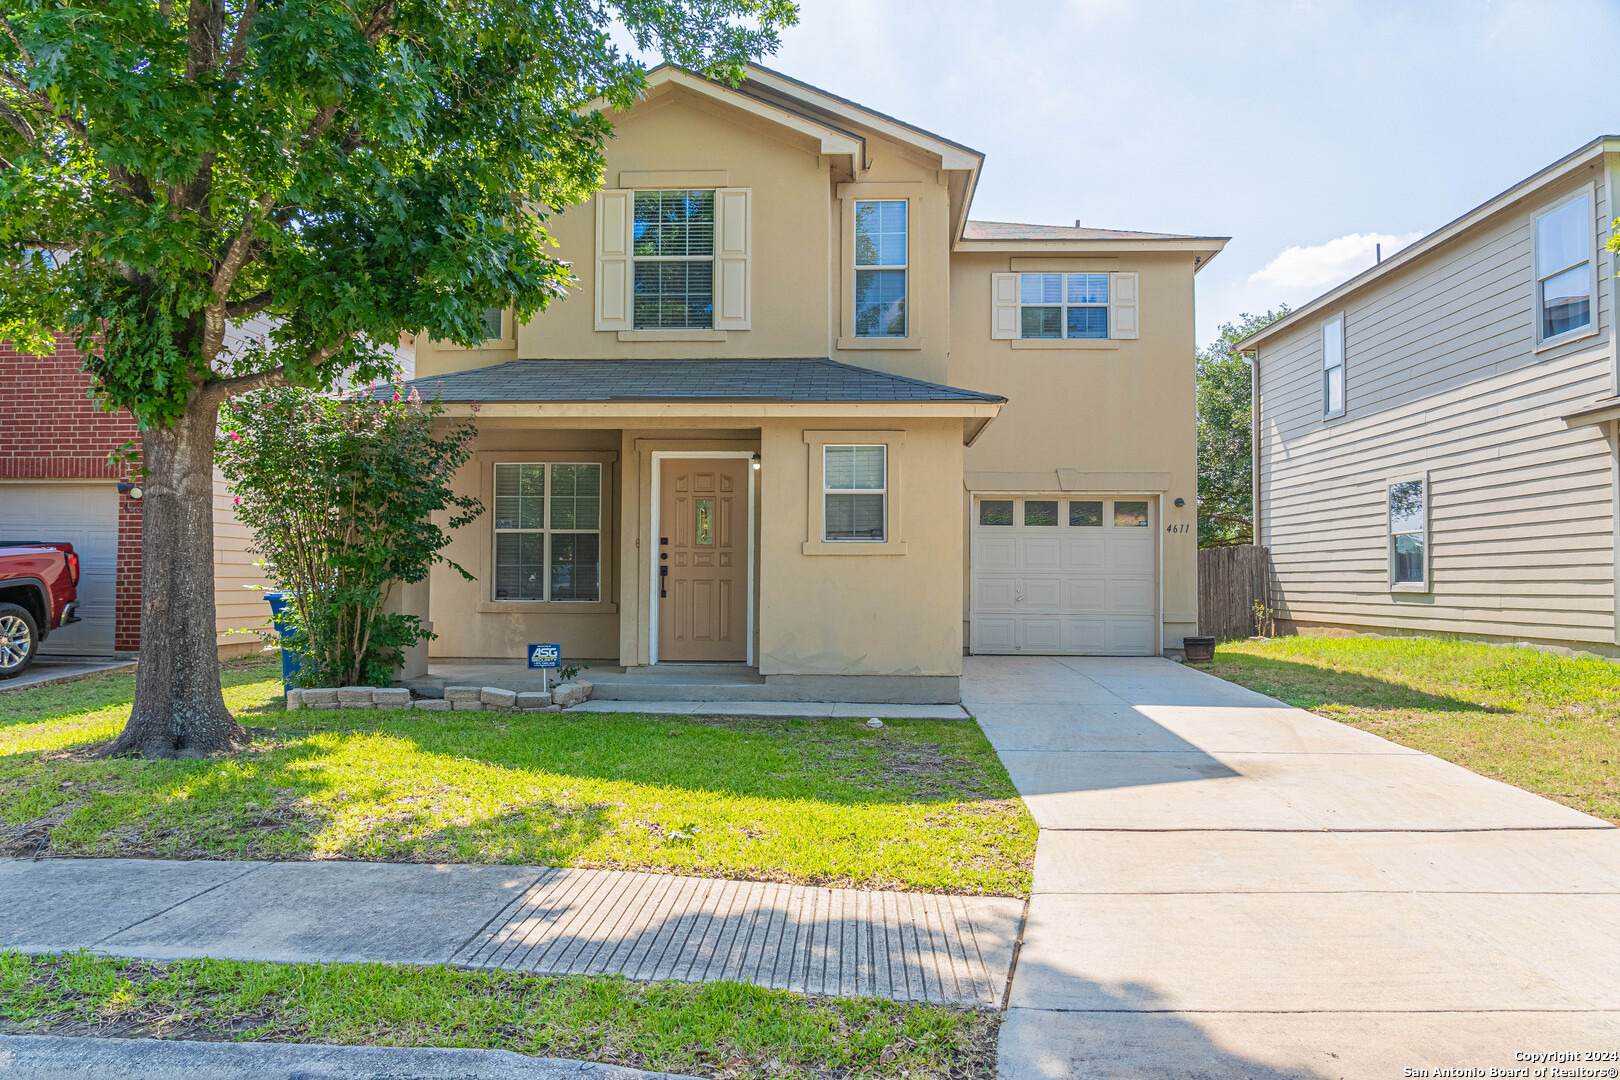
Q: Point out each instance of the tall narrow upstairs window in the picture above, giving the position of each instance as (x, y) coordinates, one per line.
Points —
(673, 250)
(880, 268)
(1564, 268)
(1333, 367)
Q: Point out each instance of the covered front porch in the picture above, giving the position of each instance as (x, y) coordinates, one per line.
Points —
(774, 530)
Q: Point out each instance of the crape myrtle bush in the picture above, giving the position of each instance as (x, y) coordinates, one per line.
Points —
(339, 493)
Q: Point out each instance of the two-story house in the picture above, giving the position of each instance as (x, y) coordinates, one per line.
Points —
(803, 416)
(1435, 439)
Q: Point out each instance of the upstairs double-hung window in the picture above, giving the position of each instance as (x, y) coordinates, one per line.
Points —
(880, 268)
(673, 250)
(1564, 268)
(1063, 305)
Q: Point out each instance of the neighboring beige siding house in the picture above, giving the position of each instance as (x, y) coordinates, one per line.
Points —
(1435, 439)
(802, 416)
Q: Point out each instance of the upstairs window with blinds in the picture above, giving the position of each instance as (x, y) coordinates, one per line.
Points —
(880, 268)
(855, 496)
(1564, 268)
(1063, 305)
(673, 252)
(548, 532)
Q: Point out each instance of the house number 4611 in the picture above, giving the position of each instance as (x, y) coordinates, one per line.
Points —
(1178, 528)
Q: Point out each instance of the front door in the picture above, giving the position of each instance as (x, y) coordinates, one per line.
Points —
(703, 559)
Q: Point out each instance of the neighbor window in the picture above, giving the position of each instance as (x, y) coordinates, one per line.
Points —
(854, 481)
(673, 250)
(548, 532)
(880, 268)
(1063, 305)
(494, 323)
(1408, 532)
(1333, 366)
(1564, 267)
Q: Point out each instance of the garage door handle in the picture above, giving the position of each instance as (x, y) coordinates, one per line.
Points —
(1017, 597)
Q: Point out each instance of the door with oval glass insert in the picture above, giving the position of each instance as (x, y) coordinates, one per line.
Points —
(1064, 574)
(703, 559)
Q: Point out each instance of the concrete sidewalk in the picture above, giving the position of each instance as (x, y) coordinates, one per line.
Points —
(1228, 887)
(903, 946)
(43, 1057)
(55, 669)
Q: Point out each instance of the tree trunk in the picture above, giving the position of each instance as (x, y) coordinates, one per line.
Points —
(179, 709)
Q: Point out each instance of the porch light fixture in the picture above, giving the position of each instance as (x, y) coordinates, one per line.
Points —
(755, 460)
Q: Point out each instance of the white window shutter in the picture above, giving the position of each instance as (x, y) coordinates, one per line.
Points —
(1003, 306)
(615, 232)
(1124, 314)
(733, 222)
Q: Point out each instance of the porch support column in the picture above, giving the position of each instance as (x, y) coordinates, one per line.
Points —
(411, 599)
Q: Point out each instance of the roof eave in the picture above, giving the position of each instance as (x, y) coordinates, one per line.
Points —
(1553, 173)
(1207, 247)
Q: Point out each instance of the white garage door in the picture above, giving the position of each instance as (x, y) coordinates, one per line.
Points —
(86, 515)
(1065, 575)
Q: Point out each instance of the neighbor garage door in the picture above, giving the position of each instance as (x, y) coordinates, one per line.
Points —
(86, 515)
(1066, 575)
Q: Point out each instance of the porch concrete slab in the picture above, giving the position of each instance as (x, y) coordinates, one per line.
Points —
(1278, 952)
(1047, 1045)
(55, 669)
(1238, 729)
(60, 904)
(772, 709)
(1527, 861)
(400, 913)
(46, 1057)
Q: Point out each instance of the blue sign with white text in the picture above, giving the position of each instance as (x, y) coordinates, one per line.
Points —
(545, 656)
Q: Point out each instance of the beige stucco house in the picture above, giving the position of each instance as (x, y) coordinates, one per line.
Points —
(1435, 439)
(804, 417)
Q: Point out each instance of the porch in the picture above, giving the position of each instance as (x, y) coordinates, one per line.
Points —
(705, 550)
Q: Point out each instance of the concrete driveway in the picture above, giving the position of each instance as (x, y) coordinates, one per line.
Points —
(1226, 886)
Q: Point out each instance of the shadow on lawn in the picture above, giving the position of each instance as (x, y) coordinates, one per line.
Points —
(1311, 686)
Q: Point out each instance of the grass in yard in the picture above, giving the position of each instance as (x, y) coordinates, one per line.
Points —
(713, 1029)
(915, 805)
(1544, 722)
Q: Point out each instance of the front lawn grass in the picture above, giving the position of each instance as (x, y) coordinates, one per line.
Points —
(916, 805)
(713, 1029)
(1543, 722)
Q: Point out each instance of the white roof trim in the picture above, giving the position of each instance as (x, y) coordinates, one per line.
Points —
(1555, 172)
(950, 155)
(832, 141)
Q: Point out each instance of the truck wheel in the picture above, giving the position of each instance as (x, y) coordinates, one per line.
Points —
(19, 640)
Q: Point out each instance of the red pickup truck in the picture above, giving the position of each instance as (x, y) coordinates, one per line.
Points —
(39, 584)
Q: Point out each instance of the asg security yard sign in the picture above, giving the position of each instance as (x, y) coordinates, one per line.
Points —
(547, 658)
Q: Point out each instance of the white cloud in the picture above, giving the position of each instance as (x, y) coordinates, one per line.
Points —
(1298, 269)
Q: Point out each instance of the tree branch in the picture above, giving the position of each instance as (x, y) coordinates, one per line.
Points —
(251, 306)
(224, 388)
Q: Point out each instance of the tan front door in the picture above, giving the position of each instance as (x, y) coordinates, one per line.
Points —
(703, 559)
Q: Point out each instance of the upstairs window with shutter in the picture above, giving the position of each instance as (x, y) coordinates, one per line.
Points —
(1063, 306)
(673, 260)
(673, 251)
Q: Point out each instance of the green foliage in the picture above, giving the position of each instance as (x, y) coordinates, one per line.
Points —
(354, 170)
(1225, 441)
(338, 494)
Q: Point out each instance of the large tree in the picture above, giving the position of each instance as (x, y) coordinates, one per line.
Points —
(352, 169)
(1225, 436)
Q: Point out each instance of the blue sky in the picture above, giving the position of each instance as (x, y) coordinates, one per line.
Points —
(1316, 125)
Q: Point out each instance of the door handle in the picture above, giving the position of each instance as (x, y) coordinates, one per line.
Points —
(663, 579)
(1017, 596)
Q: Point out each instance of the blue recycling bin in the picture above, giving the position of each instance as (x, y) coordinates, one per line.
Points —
(291, 662)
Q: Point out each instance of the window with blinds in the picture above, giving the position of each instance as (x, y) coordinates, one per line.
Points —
(673, 253)
(548, 531)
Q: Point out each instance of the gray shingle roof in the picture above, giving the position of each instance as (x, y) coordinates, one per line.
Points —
(808, 380)
(1013, 230)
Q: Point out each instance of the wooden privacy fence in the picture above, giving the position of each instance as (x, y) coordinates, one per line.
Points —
(1231, 582)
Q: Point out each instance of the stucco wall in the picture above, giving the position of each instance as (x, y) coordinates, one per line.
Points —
(1125, 408)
